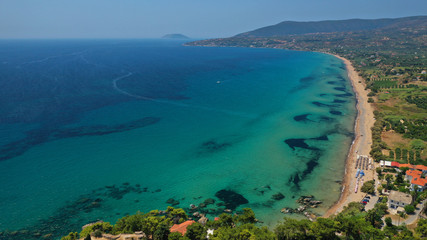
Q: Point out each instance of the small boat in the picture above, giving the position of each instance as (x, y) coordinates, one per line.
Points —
(218, 82)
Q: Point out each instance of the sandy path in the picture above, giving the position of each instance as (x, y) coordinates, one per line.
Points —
(362, 143)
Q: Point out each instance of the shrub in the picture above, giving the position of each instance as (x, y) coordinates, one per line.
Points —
(71, 236)
(105, 227)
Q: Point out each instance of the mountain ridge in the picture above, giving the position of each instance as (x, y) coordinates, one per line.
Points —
(286, 28)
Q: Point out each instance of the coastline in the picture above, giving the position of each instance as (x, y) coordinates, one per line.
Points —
(361, 144)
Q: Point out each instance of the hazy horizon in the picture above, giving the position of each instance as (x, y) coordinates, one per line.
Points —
(132, 19)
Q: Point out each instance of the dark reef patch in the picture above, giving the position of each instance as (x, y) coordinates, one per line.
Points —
(333, 83)
(313, 118)
(326, 119)
(43, 135)
(231, 198)
(302, 118)
(323, 94)
(339, 101)
(335, 112)
(311, 156)
(344, 95)
(319, 104)
(297, 142)
(62, 221)
(321, 138)
(213, 146)
(307, 79)
(278, 196)
(343, 89)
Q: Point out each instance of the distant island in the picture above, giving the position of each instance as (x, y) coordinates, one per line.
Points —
(175, 36)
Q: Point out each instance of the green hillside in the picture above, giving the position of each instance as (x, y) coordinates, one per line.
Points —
(351, 25)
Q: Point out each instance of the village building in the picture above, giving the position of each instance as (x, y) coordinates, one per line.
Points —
(398, 199)
(416, 179)
(394, 164)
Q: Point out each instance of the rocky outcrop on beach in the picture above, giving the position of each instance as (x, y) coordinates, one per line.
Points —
(306, 203)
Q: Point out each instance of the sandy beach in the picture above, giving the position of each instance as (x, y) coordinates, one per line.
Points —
(361, 145)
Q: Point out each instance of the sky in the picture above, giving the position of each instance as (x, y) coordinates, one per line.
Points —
(194, 18)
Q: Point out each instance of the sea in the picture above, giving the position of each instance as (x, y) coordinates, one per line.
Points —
(100, 129)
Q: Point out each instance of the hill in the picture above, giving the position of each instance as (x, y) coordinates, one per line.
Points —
(294, 28)
(175, 36)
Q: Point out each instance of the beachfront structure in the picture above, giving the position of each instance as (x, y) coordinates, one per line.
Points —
(416, 178)
(385, 163)
(398, 199)
(421, 168)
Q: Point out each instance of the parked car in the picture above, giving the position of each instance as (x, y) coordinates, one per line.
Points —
(379, 199)
(368, 197)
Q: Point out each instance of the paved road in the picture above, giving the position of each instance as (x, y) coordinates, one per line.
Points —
(372, 202)
(411, 218)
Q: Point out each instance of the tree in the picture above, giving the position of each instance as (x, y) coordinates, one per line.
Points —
(374, 216)
(351, 226)
(196, 231)
(105, 227)
(150, 224)
(388, 221)
(421, 228)
(248, 216)
(177, 213)
(380, 189)
(379, 171)
(324, 228)
(175, 236)
(389, 180)
(409, 209)
(414, 194)
(292, 229)
(162, 232)
(368, 187)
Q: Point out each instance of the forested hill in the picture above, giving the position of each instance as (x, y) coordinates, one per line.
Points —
(294, 28)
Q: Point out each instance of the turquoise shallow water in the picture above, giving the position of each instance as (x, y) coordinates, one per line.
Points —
(100, 129)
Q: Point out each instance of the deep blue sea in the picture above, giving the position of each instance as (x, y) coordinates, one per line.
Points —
(97, 129)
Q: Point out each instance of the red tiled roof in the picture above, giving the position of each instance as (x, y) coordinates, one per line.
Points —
(419, 181)
(416, 177)
(406, 165)
(410, 166)
(395, 164)
(421, 167)
(181, 228)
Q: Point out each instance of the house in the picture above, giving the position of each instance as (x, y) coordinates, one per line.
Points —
(182, 227)
(398, 199)
(416, 178)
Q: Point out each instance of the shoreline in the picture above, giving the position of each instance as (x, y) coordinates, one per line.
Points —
(361, 144)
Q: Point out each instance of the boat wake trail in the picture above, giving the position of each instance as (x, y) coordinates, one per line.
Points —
(228, 112)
